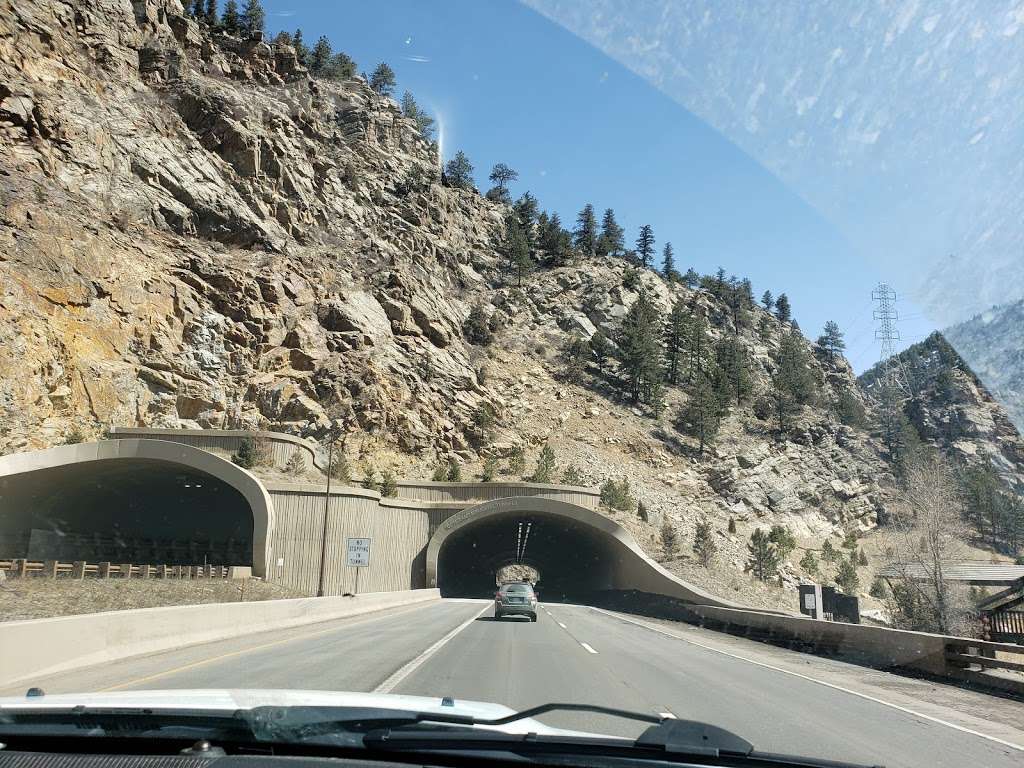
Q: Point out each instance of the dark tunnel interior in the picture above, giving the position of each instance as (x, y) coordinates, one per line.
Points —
(575, 560)
(125, 510)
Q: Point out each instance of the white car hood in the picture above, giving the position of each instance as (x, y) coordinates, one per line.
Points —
(230, 700)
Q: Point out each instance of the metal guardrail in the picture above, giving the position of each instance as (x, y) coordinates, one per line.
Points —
(79, 569)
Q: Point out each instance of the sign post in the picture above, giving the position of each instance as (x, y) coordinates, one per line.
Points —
(357, 555)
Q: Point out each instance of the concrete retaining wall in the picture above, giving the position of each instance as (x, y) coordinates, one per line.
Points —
(224, 442)
(427, 490)
(33, 649)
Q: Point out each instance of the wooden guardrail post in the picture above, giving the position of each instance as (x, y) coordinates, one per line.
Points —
(20, 568)
(103, 570)
(50, 569)
(125, 570)
(144, 571)
(78, 570)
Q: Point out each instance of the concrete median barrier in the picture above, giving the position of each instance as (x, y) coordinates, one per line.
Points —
(30, 650)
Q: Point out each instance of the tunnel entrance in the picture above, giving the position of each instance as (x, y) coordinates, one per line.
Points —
(136, 510)
(574, 559)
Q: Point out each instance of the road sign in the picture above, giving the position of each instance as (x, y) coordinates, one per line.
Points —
(809, 602)
(357, 552)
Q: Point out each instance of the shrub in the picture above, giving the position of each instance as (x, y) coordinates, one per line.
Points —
(370, 481)
(572, 476)
(669, 540)
(296, 464)
(878, 589)
(454, 473)
(618, 495)
(545, 469)
(862, 559)
(783, 539)
(850, 541)
(490, 470)
(732, 525)
(517, 461)
(846, 577)
(762, 557)
(631, 278)
(75, 436)
(440, 472)
(245, 456)
(704, 545)
(476, 328)
(828, 552)
(388, 484)
(809, 563)
(340, 469)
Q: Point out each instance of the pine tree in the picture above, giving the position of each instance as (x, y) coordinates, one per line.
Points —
(677, 330)
(645, 245)
(762, 558)
(617, 495)
(454, 473)
(517, 461)
(572, 476)
(440, 472)
(691, 278)
(412, 110)
(862, 559)
(210, 13)
(253, 18)
(809, 563)
(383, 79)
(701, 416)
(733, 363)
(516, 250)
(370, 481)
(601, 348)
(878, 589)
(732, 525)
(501, 175)
(283, 38)
(230, 21)
(585, 234)
(544, 472)
(642, 512)
(782, 309)
(793, 384)
(342, 67)
(458, 172)
(197, 10)
(476, 327)
(846, 577)
(668, 263)
(490, 469)
(831, 341)
(669, 540)
(704, 545)
(388, 484)
(639, 347)
(611, 242)
(697, 348)
(767, 301)
(301, 49)
(575, 355)
(783, 539)
(739, 297)
(245, 456)
(828, 551)
(526, 212)
(320, 56)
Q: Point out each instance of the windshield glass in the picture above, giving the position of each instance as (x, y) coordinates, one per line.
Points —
(658, 356)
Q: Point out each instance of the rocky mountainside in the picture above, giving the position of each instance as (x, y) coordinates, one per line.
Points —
(993, 344)
(952, 410)
(196, 233)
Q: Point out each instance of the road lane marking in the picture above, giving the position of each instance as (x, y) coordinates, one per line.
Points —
(403, 672)
(868, 697)
(589, 649)
(273, 643)
(561, 624)
(666, 716)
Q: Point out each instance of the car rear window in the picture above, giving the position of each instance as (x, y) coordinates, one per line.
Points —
(517, 588)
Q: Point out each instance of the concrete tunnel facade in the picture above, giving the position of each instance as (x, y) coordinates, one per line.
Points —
(434, 535)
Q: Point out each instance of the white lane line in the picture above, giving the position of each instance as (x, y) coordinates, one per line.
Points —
(399, 675)
(589, 649)
(666, 716)
(868, 697)
(561, 624)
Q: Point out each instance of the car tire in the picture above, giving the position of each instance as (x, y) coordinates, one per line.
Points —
(497, 616)
(534, 617)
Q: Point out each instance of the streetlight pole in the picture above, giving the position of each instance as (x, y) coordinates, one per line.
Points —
(327, 504)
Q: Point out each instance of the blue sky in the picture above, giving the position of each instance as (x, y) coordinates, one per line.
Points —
(510, 86)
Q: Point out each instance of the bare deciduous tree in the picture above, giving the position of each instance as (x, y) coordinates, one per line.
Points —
(927, 532)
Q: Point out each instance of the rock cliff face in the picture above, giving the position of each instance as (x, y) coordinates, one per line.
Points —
(953, 411)
(195, 233)
(992, 342)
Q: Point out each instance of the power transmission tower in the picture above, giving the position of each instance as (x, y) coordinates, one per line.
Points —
(893, 379)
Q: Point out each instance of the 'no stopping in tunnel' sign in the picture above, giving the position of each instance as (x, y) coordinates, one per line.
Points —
(357, 552)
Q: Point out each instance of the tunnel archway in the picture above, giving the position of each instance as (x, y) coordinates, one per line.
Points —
(133, 501)
(578, 552)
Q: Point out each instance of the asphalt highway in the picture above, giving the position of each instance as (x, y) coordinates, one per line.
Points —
(572, 654)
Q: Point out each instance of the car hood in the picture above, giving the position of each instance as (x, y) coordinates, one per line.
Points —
(233, 699)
